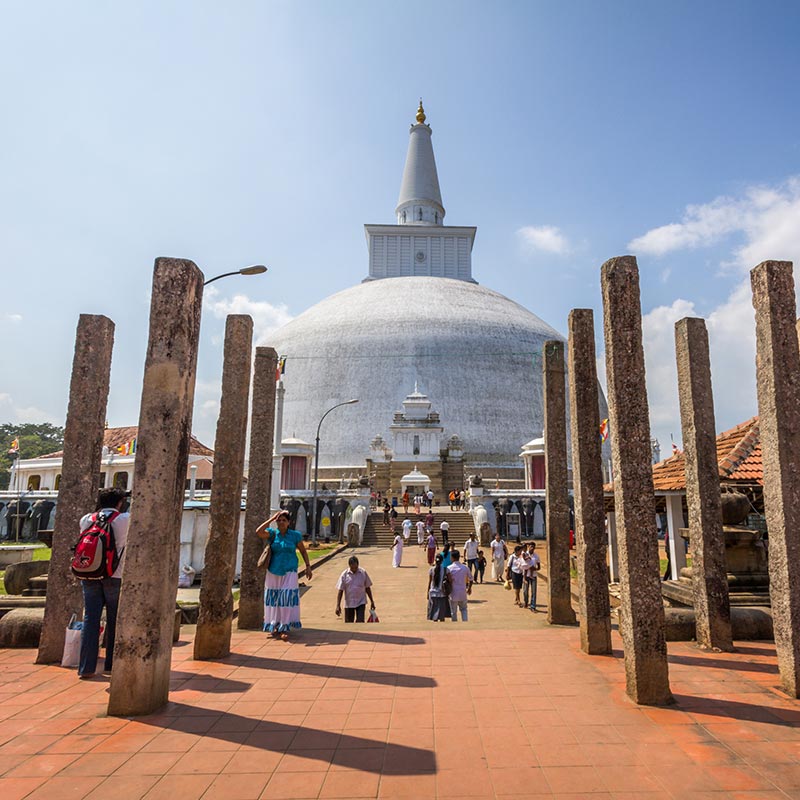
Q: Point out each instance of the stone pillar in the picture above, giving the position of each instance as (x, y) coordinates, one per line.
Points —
(613, 547)
(143, 647)
(674, 541)
(642, 611)
(559, 595)
(80, 475)
(259, 481)
(709, 572)
(587, 482)
(213, 639)
(778, 382)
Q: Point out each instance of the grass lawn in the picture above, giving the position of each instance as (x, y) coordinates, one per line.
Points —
(323, 550)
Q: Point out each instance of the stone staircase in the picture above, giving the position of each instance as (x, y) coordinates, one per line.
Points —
(376, 534)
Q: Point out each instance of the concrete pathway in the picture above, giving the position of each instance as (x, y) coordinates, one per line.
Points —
(501, 707)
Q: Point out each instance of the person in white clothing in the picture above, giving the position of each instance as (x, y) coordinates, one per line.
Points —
(354, 585)
(471, 555)
(397, 547)
(420, 532)
(514, 572)
(460, 587)
(407, 524)
(499, 555)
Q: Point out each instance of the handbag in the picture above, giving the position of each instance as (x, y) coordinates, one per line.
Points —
(266, 555)
(373, 616)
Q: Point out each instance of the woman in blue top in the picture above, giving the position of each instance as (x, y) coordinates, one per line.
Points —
(281, 593)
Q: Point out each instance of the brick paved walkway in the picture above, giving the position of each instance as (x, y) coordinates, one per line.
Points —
(503, 706)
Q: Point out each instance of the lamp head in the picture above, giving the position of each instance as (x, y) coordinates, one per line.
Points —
(256, 269)
(350, 402)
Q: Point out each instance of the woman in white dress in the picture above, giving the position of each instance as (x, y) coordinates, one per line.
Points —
(397, 547)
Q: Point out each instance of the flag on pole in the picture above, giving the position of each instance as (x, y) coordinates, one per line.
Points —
(14, 447)
(675, 449)
(604, 430)
(281, 368)
(127, 449)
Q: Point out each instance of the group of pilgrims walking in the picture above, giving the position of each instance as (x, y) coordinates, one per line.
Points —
(451, 575)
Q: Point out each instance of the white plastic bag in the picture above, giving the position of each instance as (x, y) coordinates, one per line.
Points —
(72, 643)
(373, 616)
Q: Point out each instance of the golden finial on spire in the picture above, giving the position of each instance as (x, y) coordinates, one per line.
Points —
(420, 113)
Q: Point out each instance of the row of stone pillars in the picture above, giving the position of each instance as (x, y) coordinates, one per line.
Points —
(642, 618)
(143, 644)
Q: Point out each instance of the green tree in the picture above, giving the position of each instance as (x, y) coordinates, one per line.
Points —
(34, 440)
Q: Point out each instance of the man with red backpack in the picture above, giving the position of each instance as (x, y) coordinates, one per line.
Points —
(98, 563)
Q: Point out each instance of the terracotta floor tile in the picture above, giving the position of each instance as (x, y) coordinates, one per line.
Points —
(180, 787)
(66, 788)
(133, 787)
(241, 786)
(557, 755)
(47, 764)
(249, 760)
(124, 743)
(293, 785)
(309, 760)
(77, 743)
(464, 782)
(365, 759)
(201, 763)
(17, 788)
(407, 786)
(350, 784)
(519, 781)
(367, 720)
(148, 764)
(740, 778)
(688, 778)
(574, 779)
(618, 778)
(29, 744)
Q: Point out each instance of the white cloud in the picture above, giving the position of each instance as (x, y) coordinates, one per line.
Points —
(267, 318)
(546, 238)
(767, 217)
(10, 317)
(10, 412)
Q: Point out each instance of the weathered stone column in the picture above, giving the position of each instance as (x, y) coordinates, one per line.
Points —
(259, 488)
(213, 638)
(80, 475)
(778, 381)
(587, 483)
(642, 613)
(709, 572)
(143, 646)
(559, 596)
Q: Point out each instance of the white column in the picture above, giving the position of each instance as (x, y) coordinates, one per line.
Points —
(613, 551)
(677, 548)
(192, 480)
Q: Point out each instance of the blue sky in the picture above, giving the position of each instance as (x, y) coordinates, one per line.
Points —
(270, 132)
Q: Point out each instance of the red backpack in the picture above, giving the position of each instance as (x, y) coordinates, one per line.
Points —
(96, 554)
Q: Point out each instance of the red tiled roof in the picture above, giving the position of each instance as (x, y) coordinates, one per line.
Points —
(116, 437)
(738, 456)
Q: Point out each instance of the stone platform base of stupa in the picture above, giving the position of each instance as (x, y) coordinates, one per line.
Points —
(750, 623)
(741, 591)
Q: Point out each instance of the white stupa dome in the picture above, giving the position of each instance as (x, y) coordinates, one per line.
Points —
(474, 352)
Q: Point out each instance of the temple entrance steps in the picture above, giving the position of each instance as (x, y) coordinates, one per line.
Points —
(376, 534)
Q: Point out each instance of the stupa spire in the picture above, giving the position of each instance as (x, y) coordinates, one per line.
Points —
(420, 201)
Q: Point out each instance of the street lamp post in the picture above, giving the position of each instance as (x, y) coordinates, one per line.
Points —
(256, 269)
(316, 469)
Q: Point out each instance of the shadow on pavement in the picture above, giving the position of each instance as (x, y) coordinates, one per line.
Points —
(349, 751)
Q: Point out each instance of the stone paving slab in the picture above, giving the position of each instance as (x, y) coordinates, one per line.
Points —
(405, 709)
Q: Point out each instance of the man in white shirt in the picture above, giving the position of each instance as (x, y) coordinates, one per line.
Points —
(499, 554)
(354, 584)
(531, 575)
(445, 529)
(103, 592)
(429, 498)
(460, 587)
(420, 532)
(471, 555)
(407, 523)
